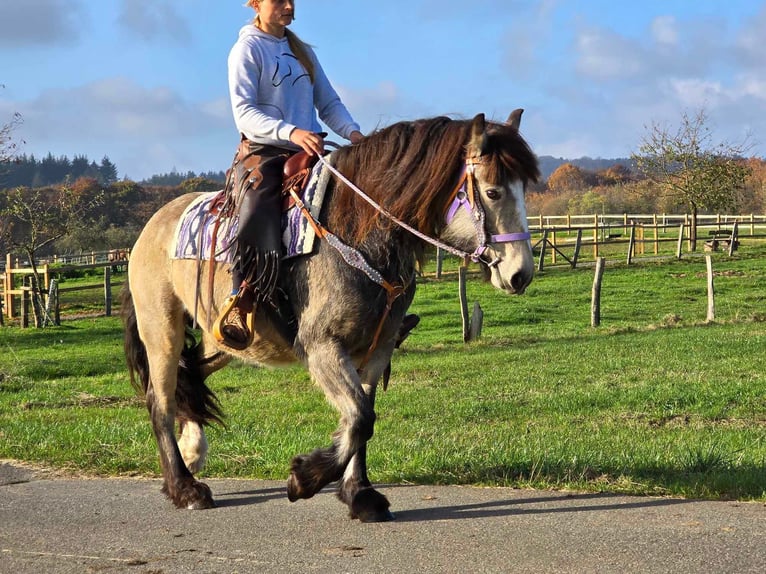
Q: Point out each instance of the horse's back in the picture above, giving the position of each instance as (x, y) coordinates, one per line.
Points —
(150, 270)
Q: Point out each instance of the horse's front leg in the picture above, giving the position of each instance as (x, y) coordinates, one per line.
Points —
(355, 489)
(332, 369)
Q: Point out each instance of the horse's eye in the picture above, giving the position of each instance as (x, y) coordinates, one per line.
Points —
(493, 193)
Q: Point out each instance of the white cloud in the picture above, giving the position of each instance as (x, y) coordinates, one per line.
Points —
(153, 20)
(366, 105)
(604, 55)
(751, 40)
(143, 130)
(665, 30)
(697, 93)
(40, 22)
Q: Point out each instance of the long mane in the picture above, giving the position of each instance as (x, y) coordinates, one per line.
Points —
(411, 168)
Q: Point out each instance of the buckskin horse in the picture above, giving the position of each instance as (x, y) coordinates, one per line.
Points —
(456, 183)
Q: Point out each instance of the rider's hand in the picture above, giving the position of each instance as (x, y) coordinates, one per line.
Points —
(356, 137)
(311, 142)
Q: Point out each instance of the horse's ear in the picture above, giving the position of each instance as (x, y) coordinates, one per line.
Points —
(514, 120)
(478, 143)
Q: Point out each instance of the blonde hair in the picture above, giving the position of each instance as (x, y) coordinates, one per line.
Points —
(298, 47)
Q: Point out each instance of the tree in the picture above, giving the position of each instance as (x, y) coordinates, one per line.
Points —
(108, 171)
(36, 218)
(567, 177)
(199, 183)
(689, 166)
(8, 147)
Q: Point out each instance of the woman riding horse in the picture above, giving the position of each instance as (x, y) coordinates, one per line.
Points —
(276, 84)
(459, 182)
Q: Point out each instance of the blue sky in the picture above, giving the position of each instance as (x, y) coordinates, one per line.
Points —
(144, 81)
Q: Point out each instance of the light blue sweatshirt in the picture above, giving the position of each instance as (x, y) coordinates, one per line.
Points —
(272, 94)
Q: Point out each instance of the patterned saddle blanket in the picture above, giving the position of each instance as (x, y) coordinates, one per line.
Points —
(194, 232)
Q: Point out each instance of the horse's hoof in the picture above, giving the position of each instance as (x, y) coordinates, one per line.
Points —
(297, 479)
(368, 505)
(193, 495)
(293, 488)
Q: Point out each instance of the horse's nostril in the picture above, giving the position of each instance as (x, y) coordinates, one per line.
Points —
(519, 281)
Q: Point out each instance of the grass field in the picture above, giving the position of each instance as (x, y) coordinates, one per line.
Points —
(655, 401)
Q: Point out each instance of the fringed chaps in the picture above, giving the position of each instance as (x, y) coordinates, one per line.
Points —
(253, 192)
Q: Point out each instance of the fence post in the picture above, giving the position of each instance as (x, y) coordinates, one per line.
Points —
(464, 303)
(687, 221)
(25, 307)
(54, 295)
(108, 290)
(595, 302)
(8, 286)
(631, 243)
(680, 241)
(595, 237)
(710, 290)
(543, 245)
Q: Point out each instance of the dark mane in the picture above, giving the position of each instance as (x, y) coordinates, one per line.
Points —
(411, 168)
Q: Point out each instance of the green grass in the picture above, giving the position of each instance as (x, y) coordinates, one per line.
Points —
(655, 401)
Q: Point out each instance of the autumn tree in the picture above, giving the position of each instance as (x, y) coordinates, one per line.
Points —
(753, 197)
(567, 177)
(36, 218)
(689, 166)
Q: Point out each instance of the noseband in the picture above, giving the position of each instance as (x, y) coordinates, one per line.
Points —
(464, 197)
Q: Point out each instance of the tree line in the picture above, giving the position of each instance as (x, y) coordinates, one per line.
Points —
(28, 171)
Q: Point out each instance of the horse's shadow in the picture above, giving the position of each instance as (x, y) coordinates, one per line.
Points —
(521, 506)
(505, 506)
(248, 497)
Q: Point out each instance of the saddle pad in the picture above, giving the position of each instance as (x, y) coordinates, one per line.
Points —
(297, 234)
(196, 227)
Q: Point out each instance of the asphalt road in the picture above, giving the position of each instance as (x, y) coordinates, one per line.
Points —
(66, 525)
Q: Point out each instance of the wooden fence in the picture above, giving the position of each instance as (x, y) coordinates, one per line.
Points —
(561, 239)
(16, 279)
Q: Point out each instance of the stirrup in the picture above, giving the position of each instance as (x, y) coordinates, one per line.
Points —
(230, 304)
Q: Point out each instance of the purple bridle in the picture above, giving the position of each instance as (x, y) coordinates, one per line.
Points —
(465, 197)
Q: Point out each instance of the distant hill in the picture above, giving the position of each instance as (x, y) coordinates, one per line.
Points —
(549, 164)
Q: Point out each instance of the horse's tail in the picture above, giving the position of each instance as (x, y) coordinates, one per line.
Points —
(135, 351)
(195, 401)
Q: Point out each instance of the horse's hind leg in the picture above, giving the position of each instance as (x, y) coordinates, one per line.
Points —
(200, 364)
(164, 339)
(193, 445)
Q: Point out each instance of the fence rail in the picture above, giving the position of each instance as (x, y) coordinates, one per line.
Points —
(627, 236)
(16, 289)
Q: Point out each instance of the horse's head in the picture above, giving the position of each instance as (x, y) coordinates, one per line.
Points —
(488, 214)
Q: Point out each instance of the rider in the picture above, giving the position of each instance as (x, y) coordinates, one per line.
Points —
(276, 86)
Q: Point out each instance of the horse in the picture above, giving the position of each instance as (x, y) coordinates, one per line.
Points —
(460, 182)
